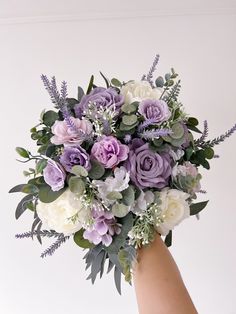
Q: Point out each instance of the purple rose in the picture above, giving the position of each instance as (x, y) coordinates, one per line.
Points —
(54, 175)
(101, 97)
(109, 151)
(73, 156)
(148, 168)
(155, 110)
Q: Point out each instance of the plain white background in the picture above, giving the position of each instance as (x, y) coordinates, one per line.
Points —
(72, 40)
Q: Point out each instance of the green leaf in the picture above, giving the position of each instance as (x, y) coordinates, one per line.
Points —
(119, 240)
(30, 189)
(90, 86)
(160, 82)
(117, 277)
(120, 210)
(128, 196)
(193, 121)
(129, 119)
(96, 171)
(193, 128)
(76, 185)
(209, 153)
(46, 195)
(178, 131)
(22, 206)
(114, 195)
(105, 79)
(168, 239)
(116, 82)
(50, 117)
(129, 128)
(41, 164)
(80, 241)
(189, 151)
(79, 171)
(129, 108)
(197, 207)
(17, 188)
(22, 152)
(80, 93)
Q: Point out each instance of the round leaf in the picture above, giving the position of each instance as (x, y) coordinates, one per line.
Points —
(128, 196)
(76, 185)
(96, 171)
(129, 119)
(114, 195)
(50, 117)
(160, 82)
(80, 241)
(178, 131)
(79, 171)
(120, 210)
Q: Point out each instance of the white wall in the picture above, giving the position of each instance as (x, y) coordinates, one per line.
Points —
(202, 48)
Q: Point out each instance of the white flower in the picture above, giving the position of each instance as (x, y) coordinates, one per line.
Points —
(138, 91)
(142, 202)
(176, 155)
(118, 183)
(174, 208)
(57, 215)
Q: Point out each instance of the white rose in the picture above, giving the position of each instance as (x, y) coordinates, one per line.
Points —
(174, 209)
(138, 91)
(57, 215)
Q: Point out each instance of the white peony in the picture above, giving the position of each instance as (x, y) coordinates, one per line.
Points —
(118, 183)
(174, 208)
(138, 91)
(57, 215)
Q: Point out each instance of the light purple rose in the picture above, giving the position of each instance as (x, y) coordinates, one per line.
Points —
(54, 175)
(103, 228)
(101, 97)
(148, 168)
(63, 134)
(109, 151)
(155, 110)
(73, 156)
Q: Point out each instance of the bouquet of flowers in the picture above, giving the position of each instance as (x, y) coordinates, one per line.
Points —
(113, 167)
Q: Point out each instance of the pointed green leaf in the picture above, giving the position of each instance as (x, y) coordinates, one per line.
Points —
(46, 195)
(96, 171)
(80, 241)
(197, 207)
(22, 152)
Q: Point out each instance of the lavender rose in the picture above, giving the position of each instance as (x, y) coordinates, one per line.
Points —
(54, 175)
(63, 134)
(155, 110)
(109, 151)
(101, 97)
(148, 168)
(72, 156)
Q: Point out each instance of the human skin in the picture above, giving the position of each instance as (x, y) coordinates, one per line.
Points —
(158, 283)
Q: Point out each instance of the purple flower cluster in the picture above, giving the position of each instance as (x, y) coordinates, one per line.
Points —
(155, 110)
(103, 228)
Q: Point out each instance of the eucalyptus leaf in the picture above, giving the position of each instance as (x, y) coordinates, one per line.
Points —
(50, 117)
(160, 82)
(30, 189)
(129, 108)
(22, 206)
(116, 82)
(76, 185)
(128, 196)
(96, 171)
(114, 195)
(129, 119)
(80, 241)
(79, 171)
(46, 195)
(120, 210)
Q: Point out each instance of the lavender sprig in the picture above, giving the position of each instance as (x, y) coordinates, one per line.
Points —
(146, 124)
(51, 250)
(42, 233)
(155, 133)
(219, 139)
(204, 134)
(149, 76)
